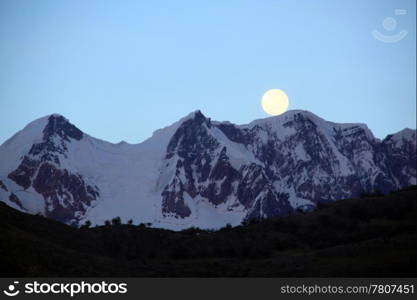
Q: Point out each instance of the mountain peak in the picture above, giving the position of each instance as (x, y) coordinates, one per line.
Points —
(290, 115)
(56, 115)
(196, 115)
(405, 134)
(195, 118)
(59, 125)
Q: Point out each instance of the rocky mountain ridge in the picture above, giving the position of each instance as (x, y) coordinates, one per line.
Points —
(199, 172)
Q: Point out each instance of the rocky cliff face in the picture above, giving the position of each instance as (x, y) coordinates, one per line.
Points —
(205, 173)
(66, 194)
(272, 166)
(220, 170)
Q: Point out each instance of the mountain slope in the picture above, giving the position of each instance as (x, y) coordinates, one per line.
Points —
(199, 172)
(368, 237)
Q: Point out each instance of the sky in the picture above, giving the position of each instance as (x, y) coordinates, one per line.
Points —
(120, 70)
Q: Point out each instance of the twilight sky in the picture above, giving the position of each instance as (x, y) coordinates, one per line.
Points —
(121, 69)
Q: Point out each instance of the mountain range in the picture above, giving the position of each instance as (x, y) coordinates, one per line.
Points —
(199, 172)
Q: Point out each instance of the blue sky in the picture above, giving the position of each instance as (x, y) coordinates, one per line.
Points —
(121, 69)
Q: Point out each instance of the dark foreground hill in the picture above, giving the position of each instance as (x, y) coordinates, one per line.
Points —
(370, 237)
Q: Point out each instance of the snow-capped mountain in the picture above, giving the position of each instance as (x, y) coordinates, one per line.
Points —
(199, 172)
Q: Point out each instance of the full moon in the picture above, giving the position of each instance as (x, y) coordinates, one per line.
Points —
(275, 102)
